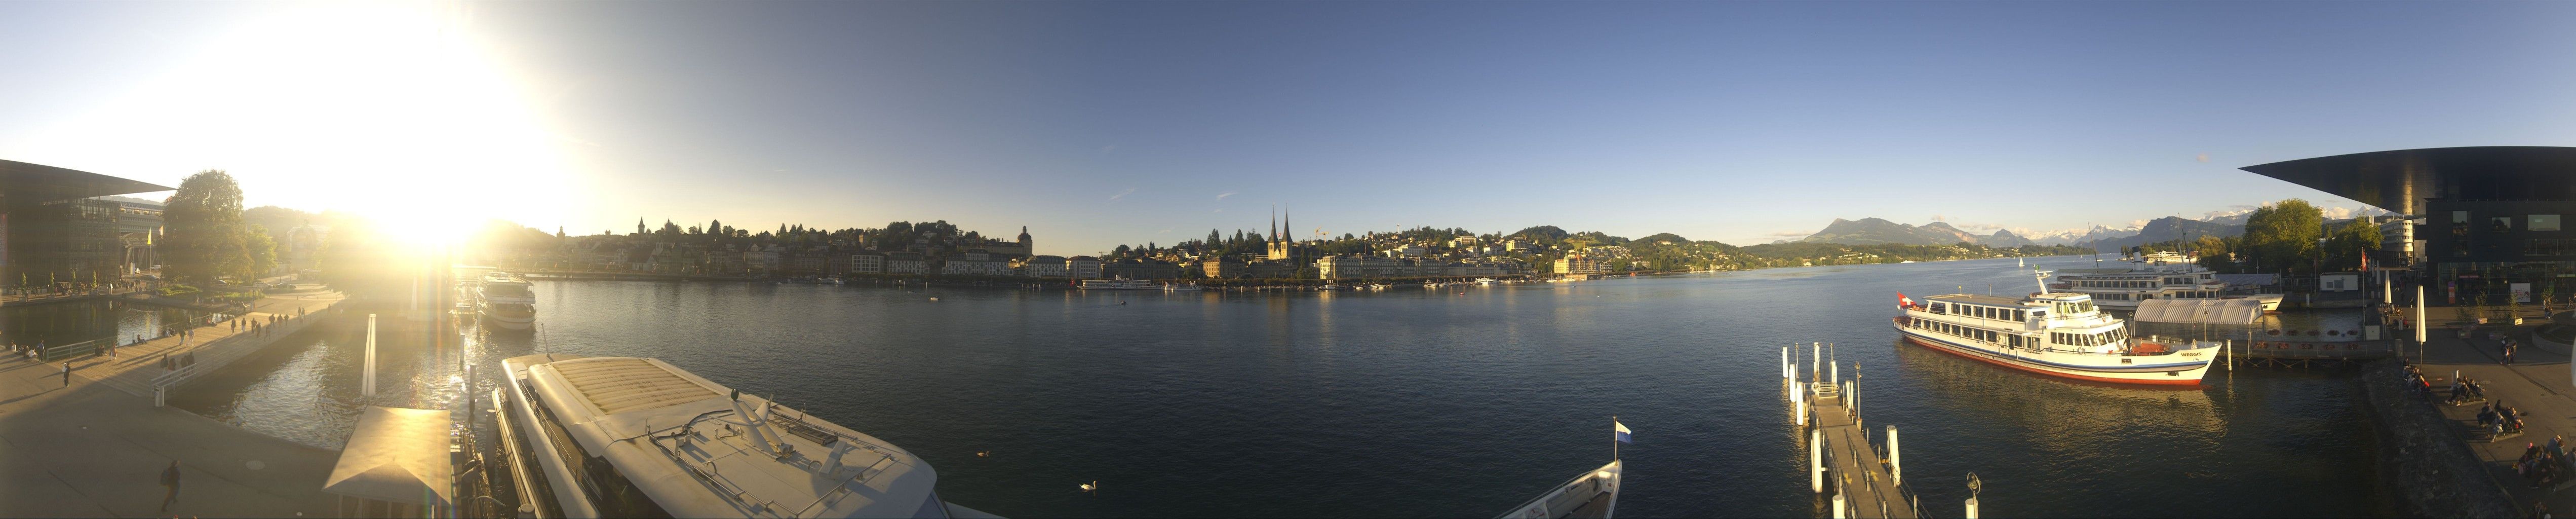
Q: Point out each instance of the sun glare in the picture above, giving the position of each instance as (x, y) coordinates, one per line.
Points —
(393, 111)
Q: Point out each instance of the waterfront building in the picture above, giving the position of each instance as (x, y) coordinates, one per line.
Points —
(975, 264)
(1082, 267)
(1266, 269)
(1355, 267)
(764, 259)
(868, 262)
(906, 263)
(2481, 215)
(54, 230)
(1578, 264)
(1222, 268)
(1463, 242)
(1142, 269)
(806, 263)
(1048, 266)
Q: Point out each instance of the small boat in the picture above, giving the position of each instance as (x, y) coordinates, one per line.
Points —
(507, 302)
(1182, 287)
(1594, 494)
(1484, 281)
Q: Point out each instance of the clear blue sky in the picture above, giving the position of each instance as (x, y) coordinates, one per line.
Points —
(1103, 123)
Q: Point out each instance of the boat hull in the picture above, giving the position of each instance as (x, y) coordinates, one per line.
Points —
(2185, 375)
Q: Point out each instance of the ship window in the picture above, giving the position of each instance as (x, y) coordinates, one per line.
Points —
(608, 489)
(2544, 222)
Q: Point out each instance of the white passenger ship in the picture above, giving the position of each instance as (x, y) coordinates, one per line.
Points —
(2161, 275)
(2051, 333)
(632, 437)
(507, 302)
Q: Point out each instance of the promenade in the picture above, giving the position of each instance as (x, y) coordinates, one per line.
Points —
(2537, 384)
(92, 449)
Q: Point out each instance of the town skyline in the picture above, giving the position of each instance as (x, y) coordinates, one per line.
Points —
(1628, 119)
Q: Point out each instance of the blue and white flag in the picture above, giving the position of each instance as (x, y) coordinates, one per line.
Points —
(1620, 431)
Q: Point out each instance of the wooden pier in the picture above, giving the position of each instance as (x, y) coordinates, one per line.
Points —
(1854, 476)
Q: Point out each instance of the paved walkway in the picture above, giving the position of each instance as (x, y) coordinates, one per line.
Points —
(90, 450)
(145, 358)
(2537, 383)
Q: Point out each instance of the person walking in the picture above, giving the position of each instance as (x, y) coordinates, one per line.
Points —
(67, 373)
(170, 480)
(2508, 352)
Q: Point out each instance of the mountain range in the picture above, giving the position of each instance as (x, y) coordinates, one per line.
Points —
(1873, 231)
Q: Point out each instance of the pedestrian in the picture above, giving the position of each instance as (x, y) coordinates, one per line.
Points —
(67, 373)
(2508, 353)
(170, 479)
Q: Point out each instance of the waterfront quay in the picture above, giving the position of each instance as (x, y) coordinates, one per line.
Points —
(2535, 384)
(94, 444)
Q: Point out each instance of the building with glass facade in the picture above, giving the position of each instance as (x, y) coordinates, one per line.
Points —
(53, 229)
(2486, 217)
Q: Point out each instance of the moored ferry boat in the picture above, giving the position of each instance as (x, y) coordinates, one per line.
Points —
(2160, 275)
(506, 301)
(1182, 287)
(2059, 334)
(634, 437)
(1119, 284)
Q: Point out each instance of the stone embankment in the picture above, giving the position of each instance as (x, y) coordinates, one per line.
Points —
(2421, 455)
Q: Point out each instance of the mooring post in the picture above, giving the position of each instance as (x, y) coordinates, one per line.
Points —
(367, 379)
(1816, 361)
(1786, 372)
(1816, 460)
(1972, 508)
(1800, 408)
(1838, 505)
(1835, 374)
(1895, 461)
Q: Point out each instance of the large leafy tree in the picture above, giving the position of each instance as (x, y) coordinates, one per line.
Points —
(206, 239)
(2282, 237)
(263, 251)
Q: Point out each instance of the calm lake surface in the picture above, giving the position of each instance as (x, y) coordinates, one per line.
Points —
(1408, 402)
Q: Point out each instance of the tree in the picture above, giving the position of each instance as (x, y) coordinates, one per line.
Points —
(205, 238)
(2346, 245)
(2283, 236)
(263, 251)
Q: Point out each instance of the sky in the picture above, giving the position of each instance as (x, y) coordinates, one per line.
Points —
(1097, 124)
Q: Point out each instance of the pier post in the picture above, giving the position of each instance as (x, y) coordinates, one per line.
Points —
(1787, 370)
(1895, 461)
(1972, 508)
(1838, 506)
(1800, 408)
(1816, 460)
(367, 379)
(1816, 360)
(1835, 373)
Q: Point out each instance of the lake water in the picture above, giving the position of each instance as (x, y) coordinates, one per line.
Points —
(1409, 402)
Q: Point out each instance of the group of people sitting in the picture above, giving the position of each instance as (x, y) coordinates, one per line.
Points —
(2543, 465)
(2413, 378)
(2465, 391)
(2499, 420)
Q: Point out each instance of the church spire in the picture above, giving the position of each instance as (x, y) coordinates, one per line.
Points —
(1274, 222)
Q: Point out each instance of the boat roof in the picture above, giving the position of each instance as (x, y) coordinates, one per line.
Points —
(397, 455)
(1979, 299)
(668, 432)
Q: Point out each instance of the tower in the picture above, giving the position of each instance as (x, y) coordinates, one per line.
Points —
(1026, 249)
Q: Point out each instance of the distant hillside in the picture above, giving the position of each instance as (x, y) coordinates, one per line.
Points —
(2170, 228)
(1874, 231)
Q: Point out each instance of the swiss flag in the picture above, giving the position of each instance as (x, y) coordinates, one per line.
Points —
(1904, 302)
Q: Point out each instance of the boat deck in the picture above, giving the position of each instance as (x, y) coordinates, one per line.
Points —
(1854, 466)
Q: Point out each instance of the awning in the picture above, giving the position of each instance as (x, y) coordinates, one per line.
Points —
(2199, 311)
(397, 455)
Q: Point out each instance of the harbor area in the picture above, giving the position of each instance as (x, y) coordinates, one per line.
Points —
(93, 442)
(1851, 475)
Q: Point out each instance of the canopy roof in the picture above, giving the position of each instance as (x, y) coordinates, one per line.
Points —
(397, 455)
(2199, 311)
(41, 182)
(2397, 180)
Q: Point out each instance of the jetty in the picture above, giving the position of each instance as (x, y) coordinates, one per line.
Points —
(1856, 477)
